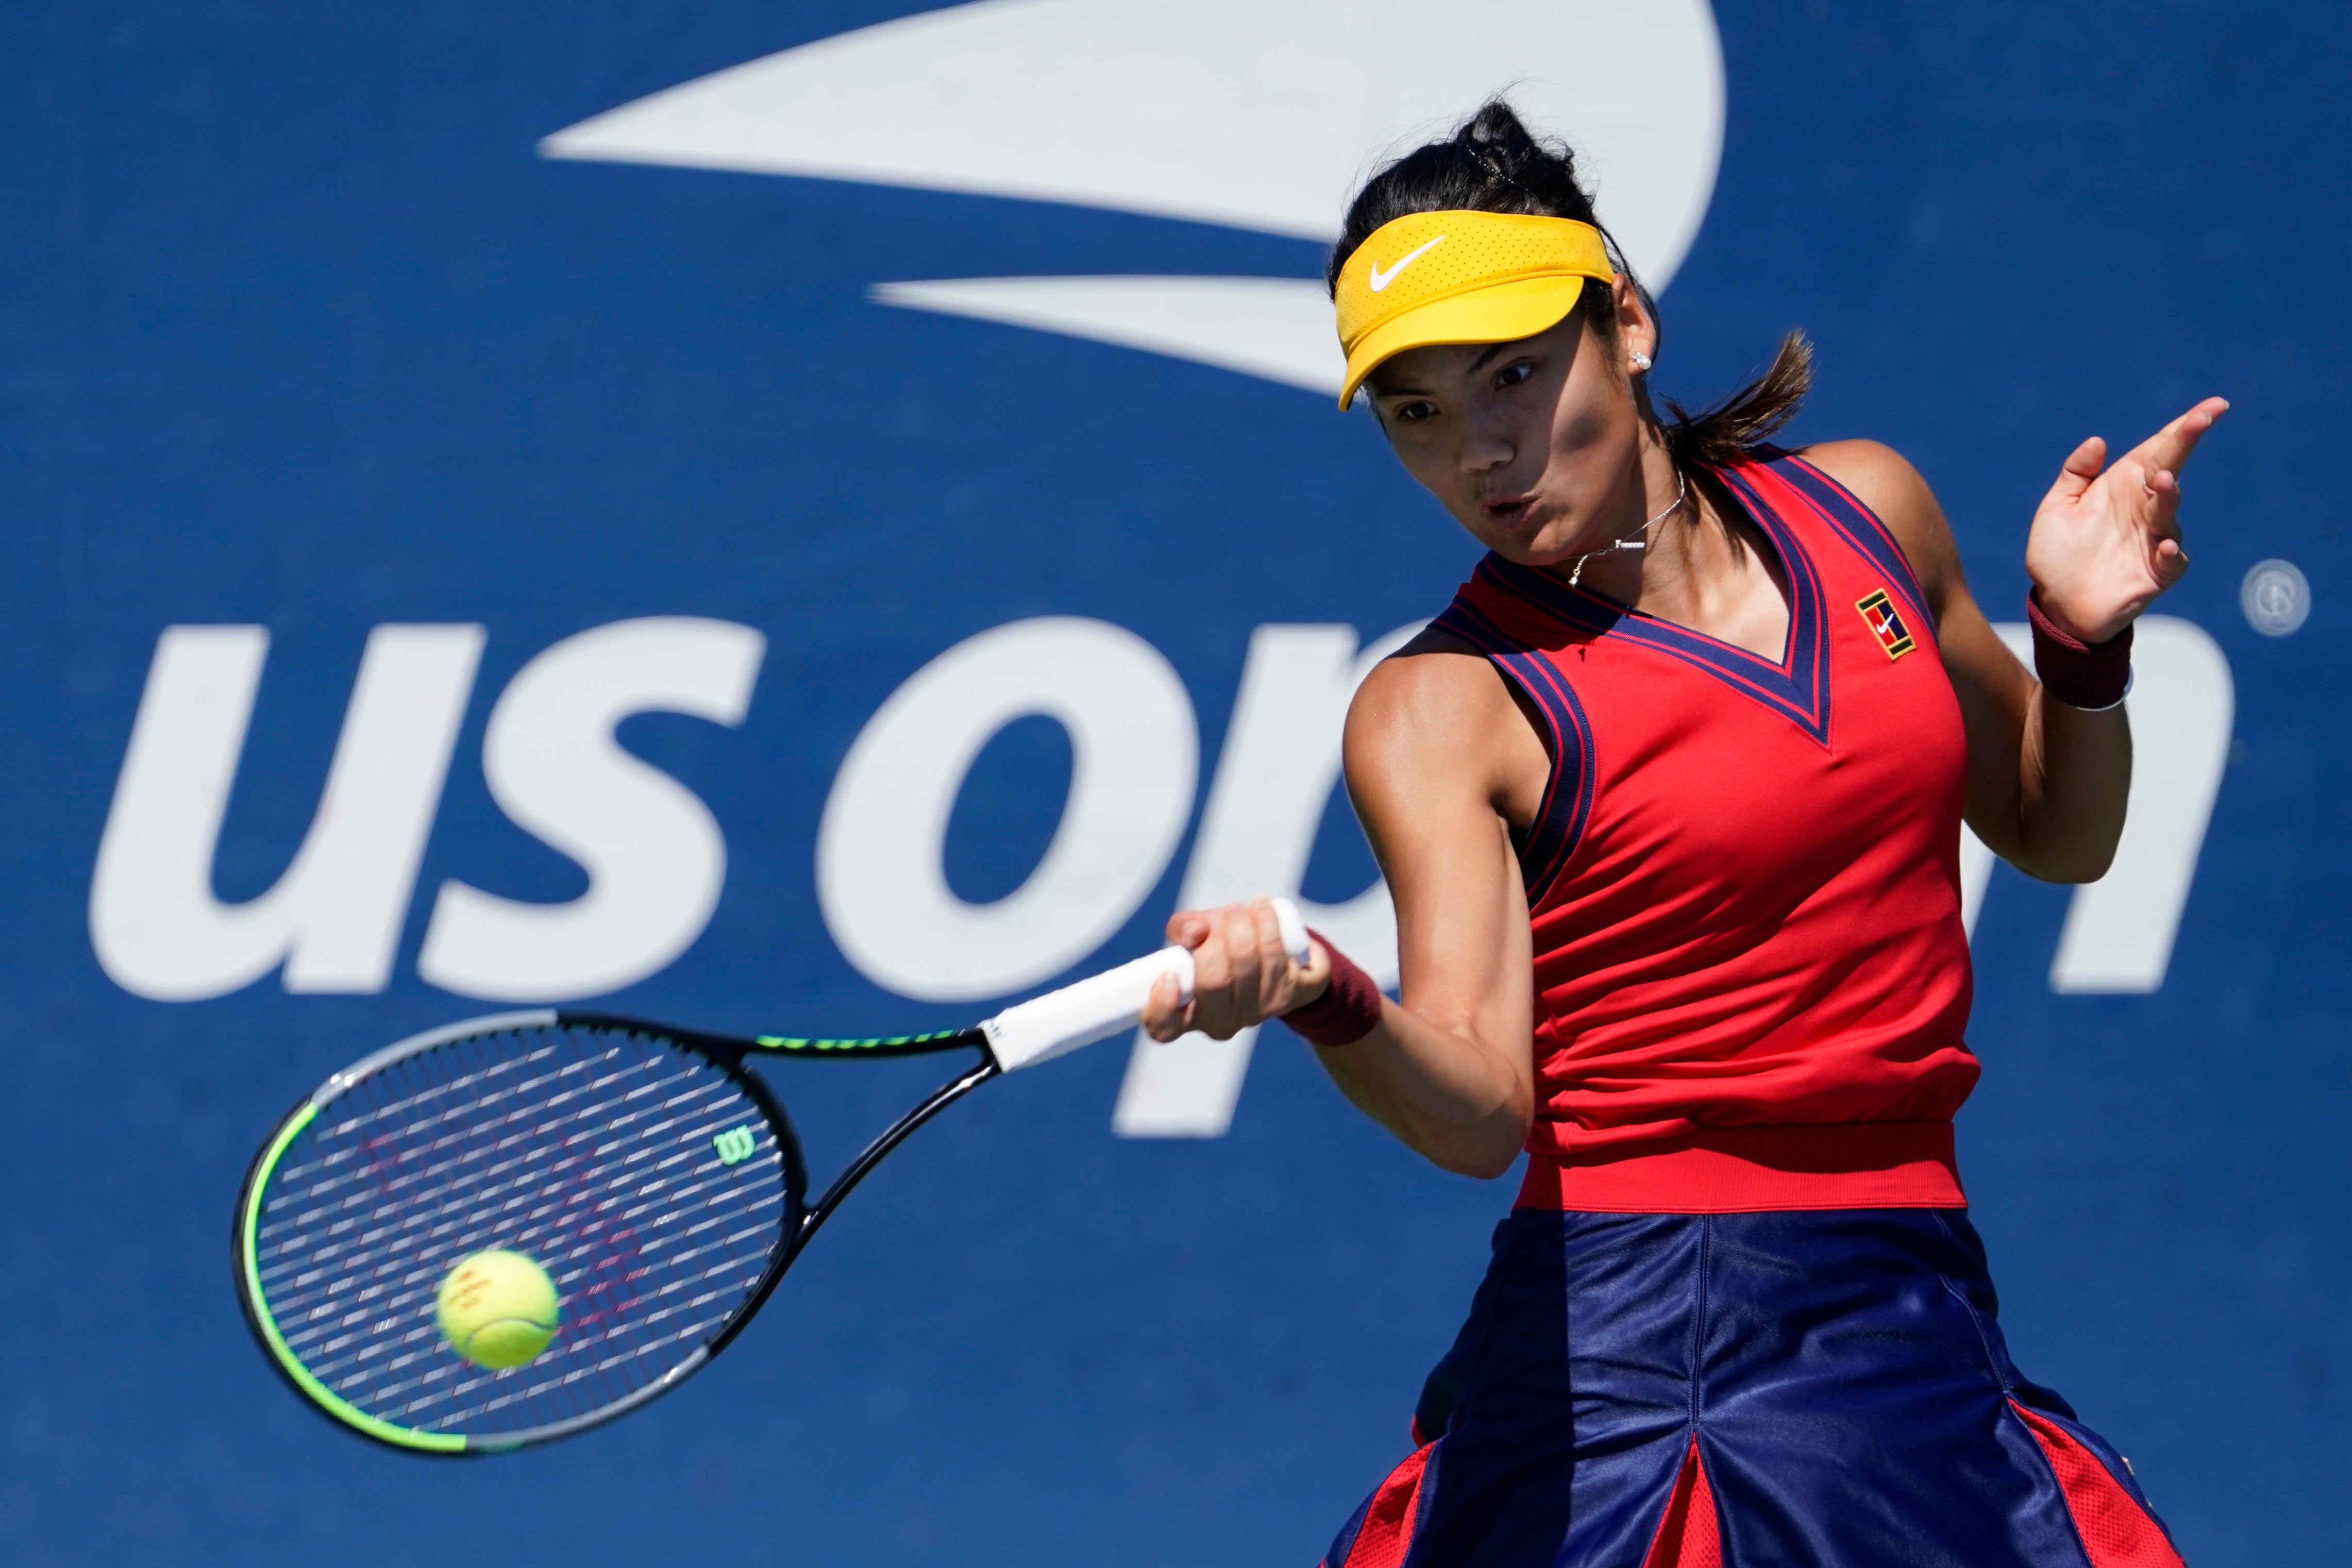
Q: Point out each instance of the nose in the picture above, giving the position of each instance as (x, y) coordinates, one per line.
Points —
(1486, 445)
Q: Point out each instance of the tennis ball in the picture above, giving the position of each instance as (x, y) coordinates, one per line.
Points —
(498, 1309)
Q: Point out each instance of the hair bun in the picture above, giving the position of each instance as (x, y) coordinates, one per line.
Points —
(1491, 162)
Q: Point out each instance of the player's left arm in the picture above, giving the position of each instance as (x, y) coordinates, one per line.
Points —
(2047, 781)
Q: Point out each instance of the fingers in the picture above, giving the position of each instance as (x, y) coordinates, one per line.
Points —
(1273, 958)
(2153, 496)
(2150, 498)
(1165, 1014)
(1287, 982)
(1225, 972)
(1243, 959)
(1189, 927)
(2169, 448)
(1212, 955)
(1283, 983)
(1242, 974)
(2082, 467)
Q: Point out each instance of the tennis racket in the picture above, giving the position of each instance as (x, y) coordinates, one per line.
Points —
(653, 1178)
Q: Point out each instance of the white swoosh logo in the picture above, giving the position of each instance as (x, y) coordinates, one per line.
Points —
(988, 91)
(1383, 279)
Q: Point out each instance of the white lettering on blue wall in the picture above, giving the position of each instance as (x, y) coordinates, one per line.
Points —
(1134, 759)
(654, 854)
(333, 917)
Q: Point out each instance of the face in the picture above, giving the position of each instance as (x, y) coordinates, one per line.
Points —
(1531, 445)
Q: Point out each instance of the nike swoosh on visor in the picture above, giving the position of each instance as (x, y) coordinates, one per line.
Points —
(1381, 280)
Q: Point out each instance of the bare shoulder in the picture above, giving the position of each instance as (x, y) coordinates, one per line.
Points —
(1437, 688)
(1880, 477)
(1884, 480)
(1435, 716)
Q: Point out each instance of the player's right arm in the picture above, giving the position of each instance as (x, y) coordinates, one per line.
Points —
(1440, 761)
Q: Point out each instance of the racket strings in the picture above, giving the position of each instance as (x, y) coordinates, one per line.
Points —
(349, 1247)
(374, 1159)
(510, 1175)
(593, 1152)
(600, 1300)
(599, 1234)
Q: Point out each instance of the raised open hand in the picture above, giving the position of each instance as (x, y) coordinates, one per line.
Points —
(2107, 540)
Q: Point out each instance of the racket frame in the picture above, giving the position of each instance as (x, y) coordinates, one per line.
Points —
(728, 1053)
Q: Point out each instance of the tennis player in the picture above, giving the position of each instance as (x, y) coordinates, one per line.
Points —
(1669, 801)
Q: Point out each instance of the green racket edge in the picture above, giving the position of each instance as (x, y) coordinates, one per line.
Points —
(326, 1398)
(880, 1045)
(257, 1305)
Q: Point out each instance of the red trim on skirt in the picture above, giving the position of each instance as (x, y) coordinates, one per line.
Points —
(2117, 1531)
(1688, 1533)
(1387, 1530)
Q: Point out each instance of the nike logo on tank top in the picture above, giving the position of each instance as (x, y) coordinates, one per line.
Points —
(1751, 980)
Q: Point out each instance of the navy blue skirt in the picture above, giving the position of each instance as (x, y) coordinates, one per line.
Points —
(1809, 1389)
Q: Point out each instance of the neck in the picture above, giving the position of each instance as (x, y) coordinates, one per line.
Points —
(1652, 484)
(1703, 570)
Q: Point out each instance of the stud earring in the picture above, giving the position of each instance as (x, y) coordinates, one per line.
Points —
(1640, 362)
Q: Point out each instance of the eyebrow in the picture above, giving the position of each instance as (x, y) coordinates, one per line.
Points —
(1391, 388)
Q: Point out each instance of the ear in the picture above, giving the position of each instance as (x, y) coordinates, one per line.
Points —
(1637, 330)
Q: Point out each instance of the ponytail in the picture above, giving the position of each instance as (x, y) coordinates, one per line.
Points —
(1720, 433)
(1494, 163)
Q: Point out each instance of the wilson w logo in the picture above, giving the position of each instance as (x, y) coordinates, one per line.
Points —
(734, 1146)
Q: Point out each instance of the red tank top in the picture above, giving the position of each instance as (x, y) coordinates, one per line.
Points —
(1751, 976)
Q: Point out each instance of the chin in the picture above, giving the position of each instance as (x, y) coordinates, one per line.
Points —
(1547, 544)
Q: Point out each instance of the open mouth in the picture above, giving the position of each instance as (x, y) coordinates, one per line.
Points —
(1510, 513)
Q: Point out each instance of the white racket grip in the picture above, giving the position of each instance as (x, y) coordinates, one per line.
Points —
(1294, 931)
(1110, 1003)
(1058, 1023)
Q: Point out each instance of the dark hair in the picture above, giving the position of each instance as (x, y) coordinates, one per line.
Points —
(1493, 163)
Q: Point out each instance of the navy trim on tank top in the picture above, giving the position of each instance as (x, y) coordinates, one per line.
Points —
(1567, 802)
(1797, 685)
(1856, 524)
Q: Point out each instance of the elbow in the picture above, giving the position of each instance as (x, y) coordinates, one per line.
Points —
(2049, 847)
(2090, 867)
(1482, 1164)
(2071, 863)
(1482, 1150)
(2067, 872)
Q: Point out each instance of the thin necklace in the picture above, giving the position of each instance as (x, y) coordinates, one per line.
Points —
(1640, 541)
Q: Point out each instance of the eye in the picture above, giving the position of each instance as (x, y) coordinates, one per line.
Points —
(1515, 372)
(1412, 412)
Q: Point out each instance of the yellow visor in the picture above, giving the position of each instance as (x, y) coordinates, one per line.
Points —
(1460, 277)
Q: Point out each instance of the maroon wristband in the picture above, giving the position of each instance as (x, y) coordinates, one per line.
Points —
(2078, 673)
(1349, 1008)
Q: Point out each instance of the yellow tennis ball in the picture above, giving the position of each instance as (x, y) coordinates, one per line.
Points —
(498, 1309)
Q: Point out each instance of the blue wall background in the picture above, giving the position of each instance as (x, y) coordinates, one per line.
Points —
(295, 329)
